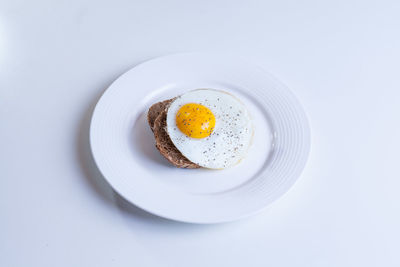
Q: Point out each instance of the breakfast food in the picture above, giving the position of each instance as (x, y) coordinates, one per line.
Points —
(157, 117)
(201, 128)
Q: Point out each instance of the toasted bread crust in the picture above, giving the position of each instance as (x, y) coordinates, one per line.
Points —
(156, 110)
(157, 118)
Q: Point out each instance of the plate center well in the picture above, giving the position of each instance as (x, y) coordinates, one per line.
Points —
(200, 181)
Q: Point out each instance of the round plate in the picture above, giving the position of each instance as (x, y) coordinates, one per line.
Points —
(123, 144)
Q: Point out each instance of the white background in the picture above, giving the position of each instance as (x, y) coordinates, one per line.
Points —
(341, 58)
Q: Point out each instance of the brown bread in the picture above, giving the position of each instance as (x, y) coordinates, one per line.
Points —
(157, 118)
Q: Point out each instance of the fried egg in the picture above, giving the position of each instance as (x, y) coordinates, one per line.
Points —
(209, 127)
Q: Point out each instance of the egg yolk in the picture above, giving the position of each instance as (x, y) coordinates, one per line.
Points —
(195, 120)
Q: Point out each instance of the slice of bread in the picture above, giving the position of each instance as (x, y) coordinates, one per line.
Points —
(156, 110)
(157, 118)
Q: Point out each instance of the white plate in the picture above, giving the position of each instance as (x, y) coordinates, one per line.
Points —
(123, 144)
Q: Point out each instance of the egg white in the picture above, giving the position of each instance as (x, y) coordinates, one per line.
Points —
(232, 134)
